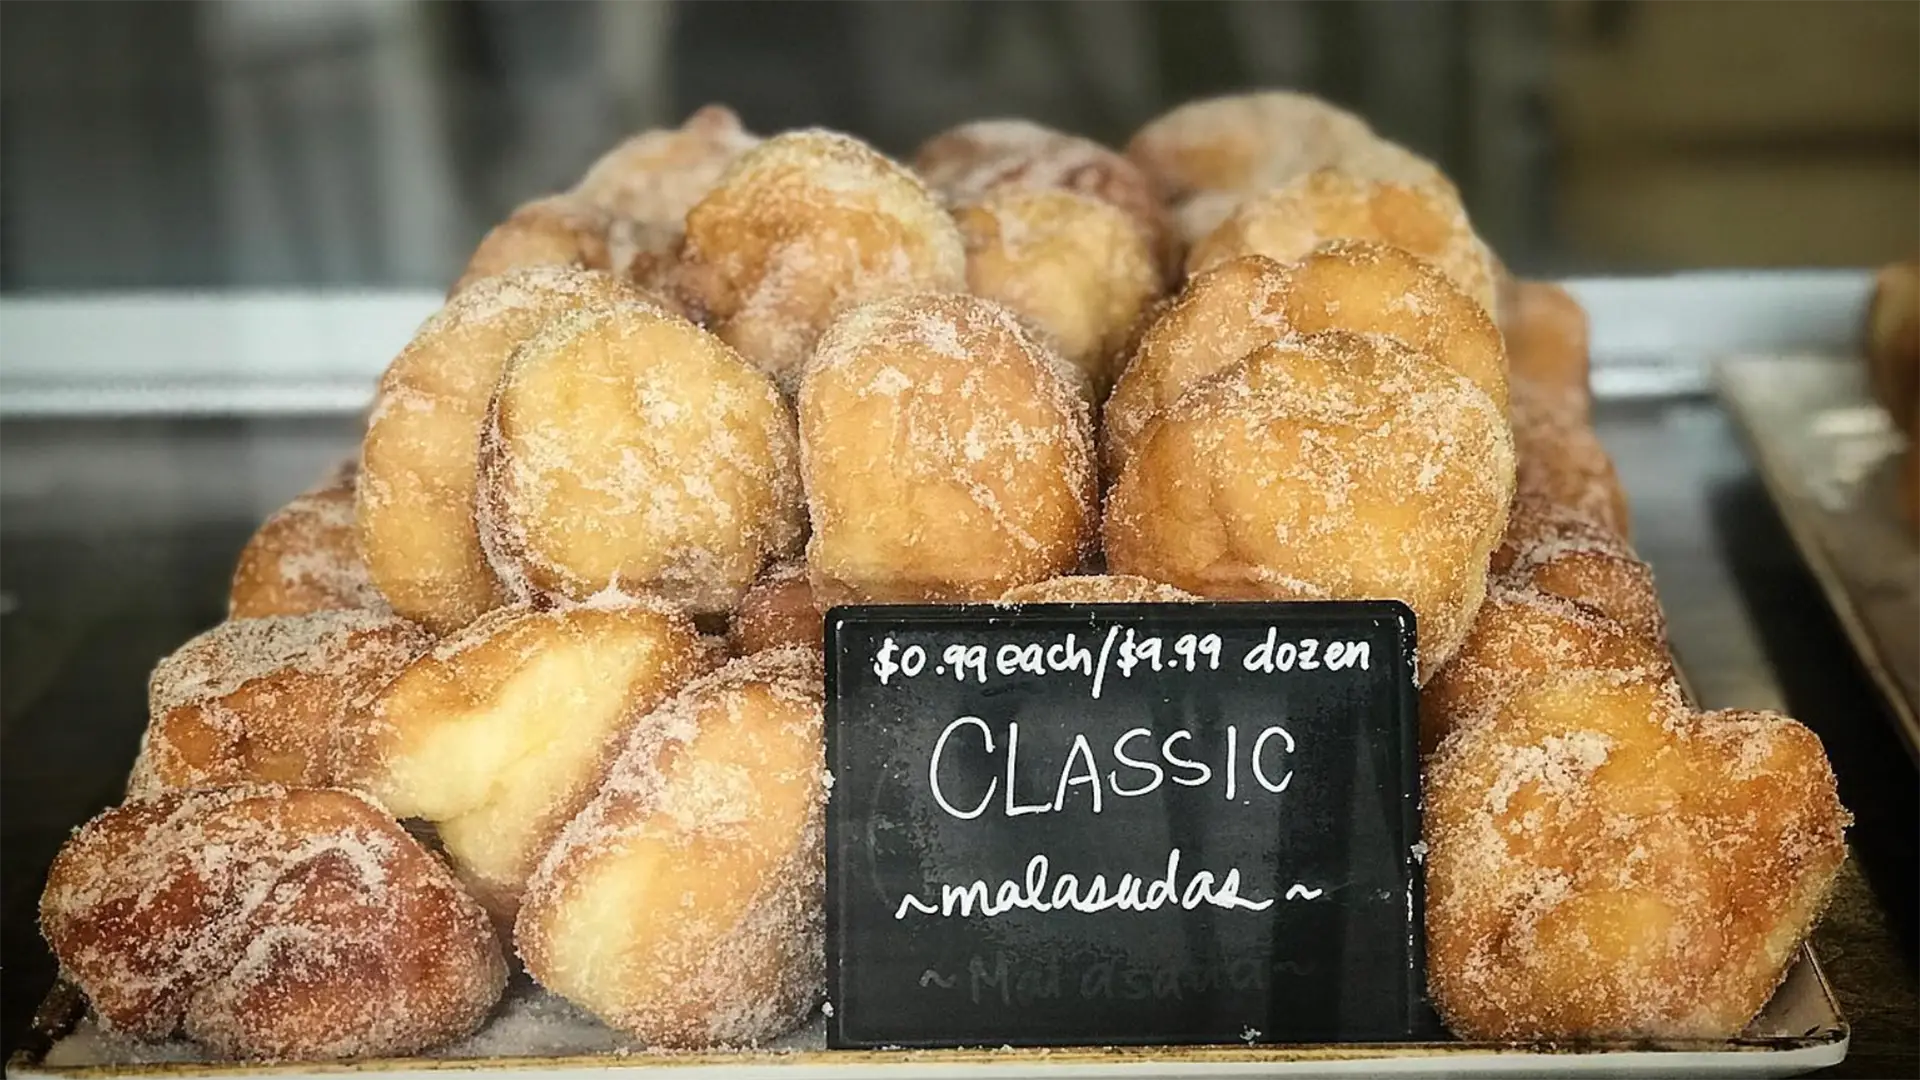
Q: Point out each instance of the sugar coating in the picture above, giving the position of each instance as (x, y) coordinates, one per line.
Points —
(685, 904)
(267, 699)
(1074, 267)
(1097, 589)
(1206, 156)
(306, 557)
(269, 923)
(969, 162)
(628, 448)
(502, 732)
(1375, 159)
(415, 501)
(1547, 337)
(1219, 317)
(1242, 142)
(1287, 222)
(1602, 868)
(1562, 461)
(1324, 466)
(1239, 305)
(1523, 638)
(1563, 551)
(653, 178)
(946, 452)
(554, 230)
(802, 227)
(778, 611)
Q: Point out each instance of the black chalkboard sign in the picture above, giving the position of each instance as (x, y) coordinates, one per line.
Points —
(1079, 824)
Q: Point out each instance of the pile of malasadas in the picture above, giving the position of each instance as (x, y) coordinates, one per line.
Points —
(728, 381)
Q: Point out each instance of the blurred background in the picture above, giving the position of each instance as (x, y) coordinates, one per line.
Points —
(371, 142)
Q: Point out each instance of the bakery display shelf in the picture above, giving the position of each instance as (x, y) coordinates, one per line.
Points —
(1652, 337)
(1827, 455)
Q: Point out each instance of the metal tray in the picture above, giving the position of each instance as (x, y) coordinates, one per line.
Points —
(534, 1035)
(1827, 455)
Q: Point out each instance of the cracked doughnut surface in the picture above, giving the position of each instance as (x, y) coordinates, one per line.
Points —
(969, 162)
(801, 228)
(271, 923)
(268, 699)
(504, 731)
(685, 904)
(1599, 869)
(1226, 312)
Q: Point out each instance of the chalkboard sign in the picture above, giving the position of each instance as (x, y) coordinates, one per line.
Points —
(1080, 824)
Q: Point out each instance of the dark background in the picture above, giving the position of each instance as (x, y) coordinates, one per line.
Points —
(305, 142)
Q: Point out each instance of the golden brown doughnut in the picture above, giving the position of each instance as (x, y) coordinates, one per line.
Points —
(1524, 638)
(1893, 343)
(266, 699)
(1097, 589)
(1547, 337)
(1599, 871)
(1208, 156)
(801, 228)
(1562, 461)
(655, 177)
(556, 230)
(1229, 310)
(1322, 467)
(504, 730)
(414, 502)
(1561, 551)
(1219, 317)
(306, 557)
(777, 612)
(628, 448)
(1287, 222)
(685, 904)
(1374, 288)
(969, 162)
(1243, 142)
(1071, 265)
(946, 452)
(268, 922)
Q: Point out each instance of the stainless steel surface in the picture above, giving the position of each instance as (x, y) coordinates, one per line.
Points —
(1829, 457)
(1669, 456)
(534, 1033)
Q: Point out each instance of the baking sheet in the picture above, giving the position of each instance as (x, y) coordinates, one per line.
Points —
(1828, 457)
(535, 1034)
